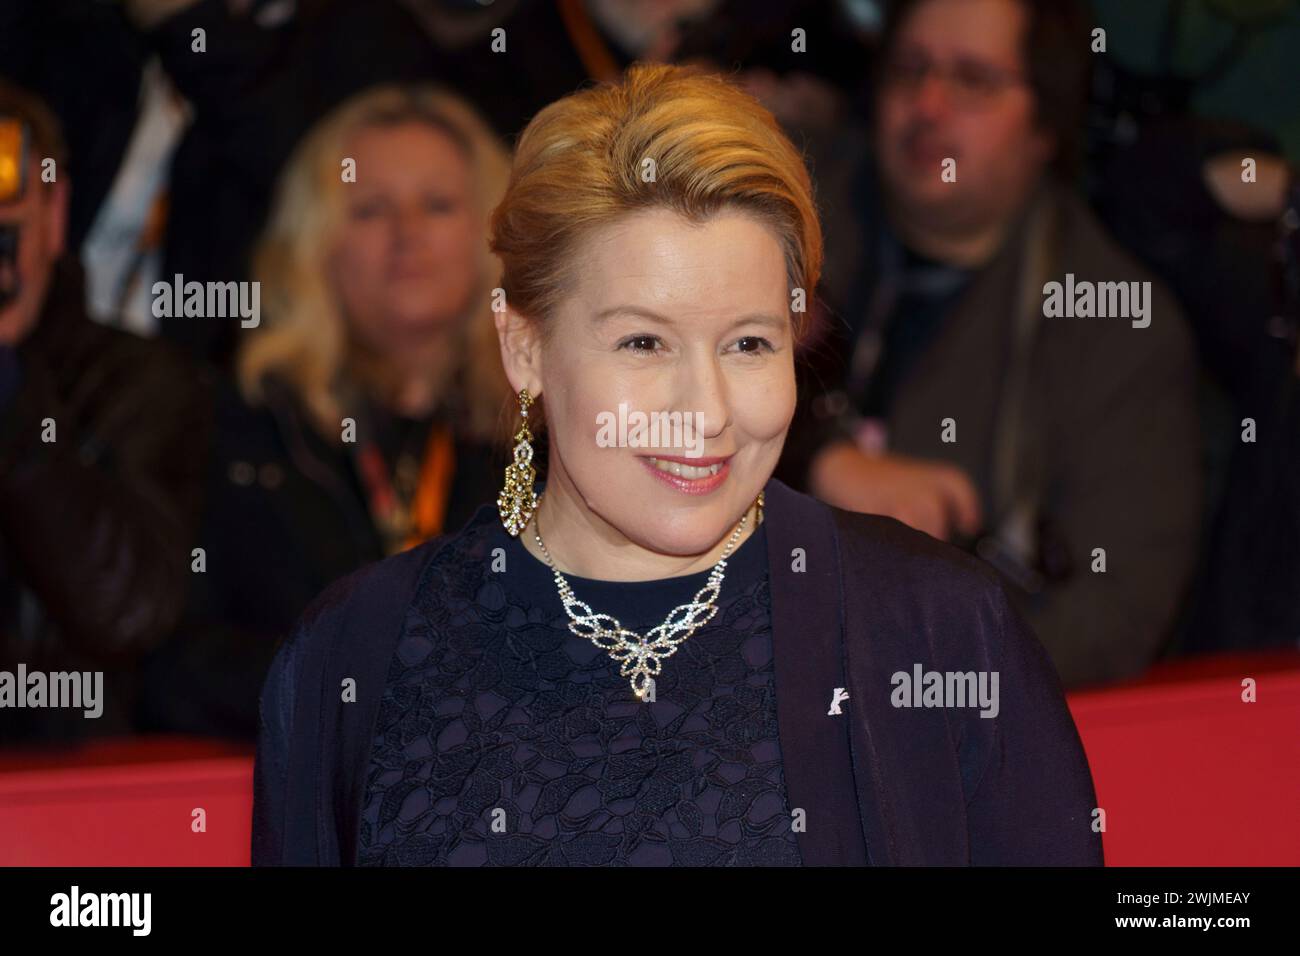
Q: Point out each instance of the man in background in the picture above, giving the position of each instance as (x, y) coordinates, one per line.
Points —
(1063, 450)
(101, 447)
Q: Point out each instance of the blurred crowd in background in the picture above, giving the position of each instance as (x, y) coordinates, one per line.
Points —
(177, 485)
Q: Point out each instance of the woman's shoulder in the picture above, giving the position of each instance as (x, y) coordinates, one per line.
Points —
(321, 696)
(351, 606)
(910, 559)
(899, 585)
(388, 581)
(878, 550)
(914, 599)
(345, 614)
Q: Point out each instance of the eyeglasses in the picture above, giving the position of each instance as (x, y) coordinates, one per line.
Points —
(971, 83)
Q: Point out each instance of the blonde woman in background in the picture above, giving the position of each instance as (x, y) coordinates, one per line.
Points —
(370, 399)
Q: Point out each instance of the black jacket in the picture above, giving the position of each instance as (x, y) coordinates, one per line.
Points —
(96, 527)
(879, 784)
(284, 516)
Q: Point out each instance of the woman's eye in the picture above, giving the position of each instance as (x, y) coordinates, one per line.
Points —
(754, 344)
(644, 344)
(438, 205)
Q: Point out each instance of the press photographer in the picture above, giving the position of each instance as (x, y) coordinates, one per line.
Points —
(101, 439)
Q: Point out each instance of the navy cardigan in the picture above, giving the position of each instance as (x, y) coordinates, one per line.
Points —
(856, 599)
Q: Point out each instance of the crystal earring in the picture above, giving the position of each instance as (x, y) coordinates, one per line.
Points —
(517, 499)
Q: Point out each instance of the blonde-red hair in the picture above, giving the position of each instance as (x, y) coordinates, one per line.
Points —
(582, 163)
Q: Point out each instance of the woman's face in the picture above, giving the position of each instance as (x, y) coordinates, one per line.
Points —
(670, 317)
(407, 257)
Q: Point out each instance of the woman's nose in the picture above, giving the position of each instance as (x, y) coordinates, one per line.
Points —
(705, 391)
(408, 223)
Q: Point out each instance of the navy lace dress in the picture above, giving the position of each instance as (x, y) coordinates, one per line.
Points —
(505, 739)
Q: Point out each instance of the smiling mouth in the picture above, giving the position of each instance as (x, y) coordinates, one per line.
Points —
(682, 470)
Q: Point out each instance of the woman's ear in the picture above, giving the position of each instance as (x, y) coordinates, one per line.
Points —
(521, 350)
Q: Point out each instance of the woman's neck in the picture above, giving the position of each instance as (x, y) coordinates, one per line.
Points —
(584, 545)
(416, 381)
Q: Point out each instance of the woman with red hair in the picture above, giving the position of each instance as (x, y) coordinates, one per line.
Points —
(662, 655)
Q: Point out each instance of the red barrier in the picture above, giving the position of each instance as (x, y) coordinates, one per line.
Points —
(1186, 772)
(127, 803)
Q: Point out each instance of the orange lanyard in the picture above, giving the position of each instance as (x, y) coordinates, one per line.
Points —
(401, 526)
(429, 508)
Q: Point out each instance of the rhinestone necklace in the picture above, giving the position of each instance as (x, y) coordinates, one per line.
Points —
(641, 658)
